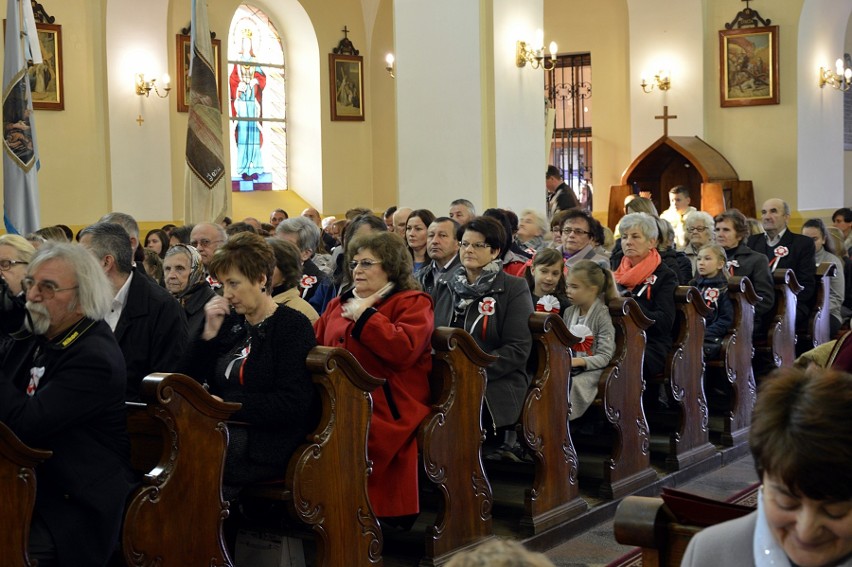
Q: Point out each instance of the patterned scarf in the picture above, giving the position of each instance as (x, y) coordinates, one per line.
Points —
(467, 292)
(196, 270)
(630, 274)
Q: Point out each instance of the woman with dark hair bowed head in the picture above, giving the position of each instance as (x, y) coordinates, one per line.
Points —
(286, 276)
(643, 276)
(494, 308)
(253, 351)
(801, 442)
(185, 279)
(158, 241)
(415, 236)
(825, 252)
(386, 322)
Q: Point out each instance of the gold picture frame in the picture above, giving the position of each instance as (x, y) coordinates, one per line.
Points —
(47, 79)
(183, 52)
(748, 66)
(346, 81)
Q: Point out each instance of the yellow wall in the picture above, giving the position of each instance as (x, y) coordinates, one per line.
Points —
(382, 108)
(604, 33)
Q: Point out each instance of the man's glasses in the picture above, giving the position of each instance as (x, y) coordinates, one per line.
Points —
(577, 231)
(365, 264)
(47, 290)
(203, 243)
(8, 264)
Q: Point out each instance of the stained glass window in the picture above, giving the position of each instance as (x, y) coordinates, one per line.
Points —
(257, 107)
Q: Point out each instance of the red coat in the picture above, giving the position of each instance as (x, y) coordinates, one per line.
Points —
(392, 342)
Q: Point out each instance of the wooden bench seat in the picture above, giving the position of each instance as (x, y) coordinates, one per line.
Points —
(554, 496)
(18, 487)
(178, 442)
(626, 464)
(819, 322)
(450, 440)
(347, 532)
(733, 368)
(684, 433)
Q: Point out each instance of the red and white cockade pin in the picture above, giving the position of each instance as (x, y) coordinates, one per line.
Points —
(547, 304)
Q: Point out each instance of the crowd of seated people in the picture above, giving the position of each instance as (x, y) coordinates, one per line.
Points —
(237, 307)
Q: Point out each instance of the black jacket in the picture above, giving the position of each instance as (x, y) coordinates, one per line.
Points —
(77, 411)
(801, 258)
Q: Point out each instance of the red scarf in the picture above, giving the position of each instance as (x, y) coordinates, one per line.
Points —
(629, 275)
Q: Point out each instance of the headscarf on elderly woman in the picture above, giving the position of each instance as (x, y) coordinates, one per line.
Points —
(185, 279)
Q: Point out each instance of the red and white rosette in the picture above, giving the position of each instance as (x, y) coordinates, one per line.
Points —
(307, 283)
(583, 333)
(780, 252)
(731, 264)
(213, 282)
(547, 304)
(649, 281)
(711, 296)
(487, 307)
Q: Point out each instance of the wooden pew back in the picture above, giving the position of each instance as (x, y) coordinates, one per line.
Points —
(178, 440)
(734, 364)
(450, 439)
(627, 467)
(689, 437)
(780, 344)
(18, 487)
(554, 496)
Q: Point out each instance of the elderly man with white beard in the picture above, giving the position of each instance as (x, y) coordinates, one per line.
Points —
(62, 388)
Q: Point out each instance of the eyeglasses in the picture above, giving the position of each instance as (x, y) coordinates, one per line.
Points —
(577, 231)
(365, 264)
(696, 229)
(46, 289)
(7, 264)
(203, 243)
(478, 245)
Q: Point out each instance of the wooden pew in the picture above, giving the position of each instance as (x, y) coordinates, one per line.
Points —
(18, 487)
(626, 467)
(554, 496)
(734, 369)
(687, 439)
(450, 439)
(779, 347)
(819, 323)
(178, 441)
(326, 481)
(650, 524)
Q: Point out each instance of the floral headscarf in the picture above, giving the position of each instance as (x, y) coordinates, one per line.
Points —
(196, 268)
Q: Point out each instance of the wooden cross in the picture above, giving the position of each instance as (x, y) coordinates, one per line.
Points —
(140, 120)
(665, 118)
(345, 31)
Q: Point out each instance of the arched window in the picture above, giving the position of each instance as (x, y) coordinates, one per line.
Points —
(257, 103)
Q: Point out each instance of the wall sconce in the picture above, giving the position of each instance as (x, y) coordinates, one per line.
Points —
(662, 81)
(840, 79)
(389, 60)
(144, 87)
(535, 57)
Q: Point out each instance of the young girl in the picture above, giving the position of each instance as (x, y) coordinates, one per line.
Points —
(588, 319)
(712, 281)
(546, 278)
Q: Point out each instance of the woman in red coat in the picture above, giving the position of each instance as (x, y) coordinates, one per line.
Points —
(386, 323)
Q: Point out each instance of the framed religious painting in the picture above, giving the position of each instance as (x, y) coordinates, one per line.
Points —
(46, 79)
(748, 66)
(183, 51)
(346, 80)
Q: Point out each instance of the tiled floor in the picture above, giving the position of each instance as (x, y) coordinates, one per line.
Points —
(597, 547)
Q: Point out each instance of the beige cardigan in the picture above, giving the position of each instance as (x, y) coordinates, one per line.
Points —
(291, 299)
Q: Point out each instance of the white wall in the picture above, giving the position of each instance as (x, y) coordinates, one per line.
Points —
(438, 92)
(822, 39)
(669, 36)
(520, 161)
(136, 37)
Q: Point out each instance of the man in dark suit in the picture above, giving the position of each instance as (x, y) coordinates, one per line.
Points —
(560, 197)
(442, 247)
(785, 249)
(62, 389)
(149, 325)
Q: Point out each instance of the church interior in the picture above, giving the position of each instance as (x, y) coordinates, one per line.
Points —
(454, 116)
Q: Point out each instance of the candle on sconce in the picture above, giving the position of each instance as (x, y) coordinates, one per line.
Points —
(553, 50)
